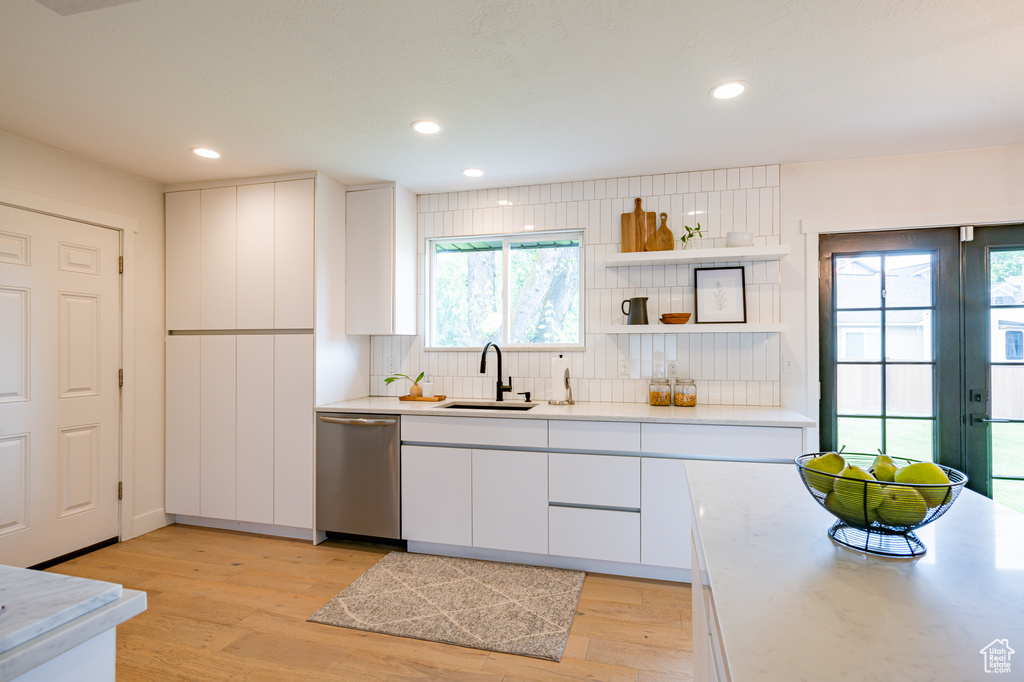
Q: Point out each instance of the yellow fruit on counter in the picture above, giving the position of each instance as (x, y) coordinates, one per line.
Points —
(883, 468)
(902, 506)
(926, 473)
(829, 463)
(857, 489)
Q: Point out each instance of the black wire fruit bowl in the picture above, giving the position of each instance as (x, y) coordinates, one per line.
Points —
(877, 516)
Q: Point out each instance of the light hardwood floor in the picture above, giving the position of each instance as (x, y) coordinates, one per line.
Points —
(227, 605)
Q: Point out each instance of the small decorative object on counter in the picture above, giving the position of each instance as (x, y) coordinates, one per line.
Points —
(660, 392)
(415, 391)
(684, 393)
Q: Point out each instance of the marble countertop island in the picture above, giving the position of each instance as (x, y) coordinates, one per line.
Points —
(732, 415)
(792, 605)
(47, 615)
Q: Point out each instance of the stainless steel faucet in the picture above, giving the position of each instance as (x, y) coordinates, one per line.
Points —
(502, 388)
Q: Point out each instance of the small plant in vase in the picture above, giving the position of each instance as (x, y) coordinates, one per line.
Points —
(415, 391)
(691, 232)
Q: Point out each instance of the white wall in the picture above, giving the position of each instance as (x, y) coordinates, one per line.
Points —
(740, 368)
(46, 171)
(971, 187)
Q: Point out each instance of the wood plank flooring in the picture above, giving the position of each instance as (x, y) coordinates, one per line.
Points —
(226, 605)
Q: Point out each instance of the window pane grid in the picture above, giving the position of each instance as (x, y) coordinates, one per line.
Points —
(873, 420)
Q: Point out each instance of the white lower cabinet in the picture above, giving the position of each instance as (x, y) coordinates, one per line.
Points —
(594, 534)
(664, 513)
(437, 495)
(510, 500)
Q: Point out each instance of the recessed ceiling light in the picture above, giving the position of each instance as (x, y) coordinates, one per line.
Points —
(504, 202)
(205, 153)
(729, 90)
(426, 127)
(472, 172)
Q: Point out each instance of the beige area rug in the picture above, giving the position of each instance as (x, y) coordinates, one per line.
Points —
(508, 608)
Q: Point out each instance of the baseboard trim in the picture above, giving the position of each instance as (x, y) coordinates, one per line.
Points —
(148, 522)
(247, 527)
(679, 575)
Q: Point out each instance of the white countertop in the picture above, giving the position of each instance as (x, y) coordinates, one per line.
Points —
(48, 613)
(793, 606)
(736, 415)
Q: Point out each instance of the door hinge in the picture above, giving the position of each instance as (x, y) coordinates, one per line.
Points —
(120, 378)
(120, 490)
(120, 265)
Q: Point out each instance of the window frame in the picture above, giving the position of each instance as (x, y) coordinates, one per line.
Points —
(506, 238)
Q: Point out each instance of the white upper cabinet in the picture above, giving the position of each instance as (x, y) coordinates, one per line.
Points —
(241, 257)
(293, 255)
(256, 256)
(380, 261)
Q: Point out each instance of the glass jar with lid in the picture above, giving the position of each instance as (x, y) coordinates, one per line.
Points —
(660, 392)
(684, 393)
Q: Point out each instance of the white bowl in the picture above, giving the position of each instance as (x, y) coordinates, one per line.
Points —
(739, 239)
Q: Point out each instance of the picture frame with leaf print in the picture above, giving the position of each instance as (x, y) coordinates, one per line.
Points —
(721, 296)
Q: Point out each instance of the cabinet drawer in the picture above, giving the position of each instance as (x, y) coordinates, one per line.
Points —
(594, 534)
(578, 435)
(726, 442)
(528, 433)
(600, 480)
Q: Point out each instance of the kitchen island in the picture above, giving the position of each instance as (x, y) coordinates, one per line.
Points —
(778, 601)
(58, 627)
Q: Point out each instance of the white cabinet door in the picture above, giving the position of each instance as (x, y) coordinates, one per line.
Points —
(437, 495)
(293, 254)
(255, 429)
(182, 260)
(595, 534)
(369, 260)
(182, 427)
(596, 480)
(217, 258)
(664, 513)
(510, 500)
(293, 430)
(255, 256)
(217, 426)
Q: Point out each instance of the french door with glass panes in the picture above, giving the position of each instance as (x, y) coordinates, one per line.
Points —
(922, 350)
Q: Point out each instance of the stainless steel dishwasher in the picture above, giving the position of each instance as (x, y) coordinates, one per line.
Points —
(358, 474)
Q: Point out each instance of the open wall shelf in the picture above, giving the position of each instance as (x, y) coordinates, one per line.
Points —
(692, 328)
(726, 255)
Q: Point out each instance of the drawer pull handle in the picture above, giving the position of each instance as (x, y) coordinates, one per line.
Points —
(357, 422)
(635, 510)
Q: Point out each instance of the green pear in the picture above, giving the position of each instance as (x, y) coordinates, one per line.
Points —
(926, 473)
(857, 490)
(828, 463)
(902, 506)
(852, 517)
(883, 468)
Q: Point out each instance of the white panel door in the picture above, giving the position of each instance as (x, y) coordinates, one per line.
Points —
(293, 430)
(182, 425)
(254, 438)
(293, 260)
(255, 256)
(59, 400)
(664, 513)
(217, 426)
(437, 495)
(182, 259)
(217, 258)
(510, 500)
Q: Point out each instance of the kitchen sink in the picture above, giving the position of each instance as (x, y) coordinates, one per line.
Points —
(465, 405)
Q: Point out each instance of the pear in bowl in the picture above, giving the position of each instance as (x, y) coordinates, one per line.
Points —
(857, 489)
(828, 463)
(883, 468)
(928, 473)
(902, 506)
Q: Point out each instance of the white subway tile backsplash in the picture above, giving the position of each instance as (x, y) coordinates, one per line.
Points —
(730, 368)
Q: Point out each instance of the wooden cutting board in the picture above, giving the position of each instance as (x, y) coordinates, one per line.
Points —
(637, 228)
(662, 239)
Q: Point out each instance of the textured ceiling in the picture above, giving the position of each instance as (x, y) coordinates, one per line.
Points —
(529, 90)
